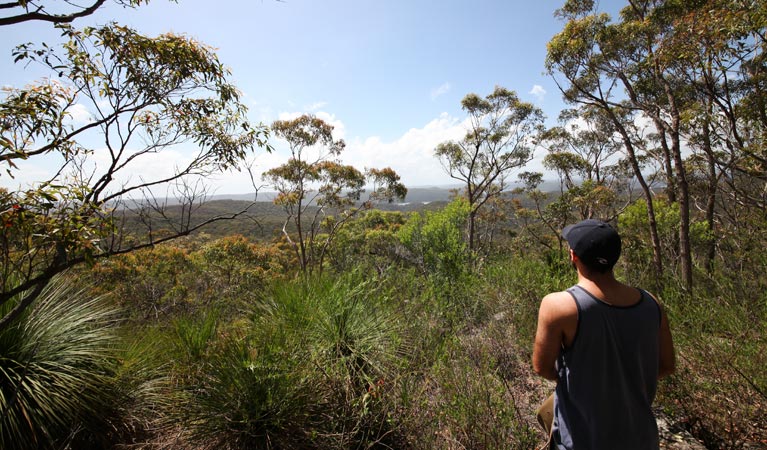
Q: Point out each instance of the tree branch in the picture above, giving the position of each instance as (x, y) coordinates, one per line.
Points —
(53, 18)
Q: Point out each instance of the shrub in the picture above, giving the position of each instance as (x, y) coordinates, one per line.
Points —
(436, 240)
(720, 388)
(309, 373)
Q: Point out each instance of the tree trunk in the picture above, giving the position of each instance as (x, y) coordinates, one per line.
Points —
(685, 254)
(655, 239)
(711, 193)
(667, 167)
(472, 225)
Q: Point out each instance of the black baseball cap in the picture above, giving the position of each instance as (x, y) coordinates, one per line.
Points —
(595, 242)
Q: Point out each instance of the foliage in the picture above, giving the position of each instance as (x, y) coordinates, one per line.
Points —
(321, 180)
(412, 361)
(436, 241)
(238, 270)
(585, 155)
(720, 388)
(56, 368)
(165, 282)
(370, 240)
(695, 72)
(143, 95)
(635, 229)
(500, 138)
(149, 283)
(246, 397)
(301, 376)
(194, 335)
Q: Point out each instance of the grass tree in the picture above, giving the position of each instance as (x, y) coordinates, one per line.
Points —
(56, 367)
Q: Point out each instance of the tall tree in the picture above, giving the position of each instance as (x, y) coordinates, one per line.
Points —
(720, 53)
(314, 183)
(697, 71)
(584, 152)
(143, 96)
(501, 137)
(591, 60)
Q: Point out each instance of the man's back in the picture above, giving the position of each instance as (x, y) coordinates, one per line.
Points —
(606, 344)
(608, 375)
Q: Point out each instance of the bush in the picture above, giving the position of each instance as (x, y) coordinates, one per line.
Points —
(436, 240)
(308, 373)
(720, 388)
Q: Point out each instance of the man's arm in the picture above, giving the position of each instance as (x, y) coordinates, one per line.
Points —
(666, 356)
(557, 322)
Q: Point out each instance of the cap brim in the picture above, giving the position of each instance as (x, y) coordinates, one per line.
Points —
(566, 230)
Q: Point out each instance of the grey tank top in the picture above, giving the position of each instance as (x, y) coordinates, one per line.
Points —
(607, 378)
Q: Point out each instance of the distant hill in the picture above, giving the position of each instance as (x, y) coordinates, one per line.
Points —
(264, 220)
(419, 194)
(416, 194)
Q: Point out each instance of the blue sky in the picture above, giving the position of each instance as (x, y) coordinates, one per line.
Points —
(389, 75)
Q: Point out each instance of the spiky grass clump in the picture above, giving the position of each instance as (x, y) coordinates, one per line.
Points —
(308, 374)
(55, 363)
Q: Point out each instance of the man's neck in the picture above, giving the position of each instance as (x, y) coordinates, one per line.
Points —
(607, 288)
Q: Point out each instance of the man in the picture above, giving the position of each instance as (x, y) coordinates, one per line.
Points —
(606, 344)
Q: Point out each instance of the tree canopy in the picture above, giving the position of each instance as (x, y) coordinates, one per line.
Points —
(143, 96)
(313, 183)
(501, 137)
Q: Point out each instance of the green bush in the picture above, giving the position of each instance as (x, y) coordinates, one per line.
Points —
(246, 397)
(308, 373)
(436, 240)
(194, 335)
(720, 387)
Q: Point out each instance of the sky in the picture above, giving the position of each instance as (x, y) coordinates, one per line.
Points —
(388, 75)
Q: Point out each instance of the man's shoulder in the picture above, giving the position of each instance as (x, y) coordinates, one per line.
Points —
(560, 303)
(558, 297)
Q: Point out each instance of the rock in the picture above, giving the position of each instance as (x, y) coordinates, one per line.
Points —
(674, 437)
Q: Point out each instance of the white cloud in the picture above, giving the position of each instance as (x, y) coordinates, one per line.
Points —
(79, 115)
(412, 154)
(538, 91)
(440, 90)
(315, 106)
(339, 129)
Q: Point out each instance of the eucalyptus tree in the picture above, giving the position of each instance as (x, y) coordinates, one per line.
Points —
(585, 154)
(577, 61)
(697, 71)
(143, 97)
(501, 137)
(720, 53)
(313, 183)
